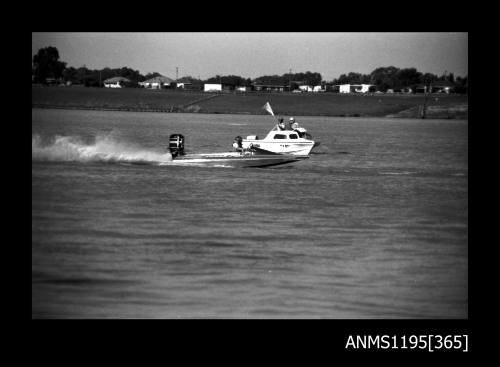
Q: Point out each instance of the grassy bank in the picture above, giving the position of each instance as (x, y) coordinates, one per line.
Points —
(298, 104)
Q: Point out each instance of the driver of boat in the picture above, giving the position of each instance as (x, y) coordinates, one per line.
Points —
(281, 125)
(293, 125)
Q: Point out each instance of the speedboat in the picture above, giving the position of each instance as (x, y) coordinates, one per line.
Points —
(249, 157)
(284, 141)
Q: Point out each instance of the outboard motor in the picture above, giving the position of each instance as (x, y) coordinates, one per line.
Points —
(238, 143)
(176, 145)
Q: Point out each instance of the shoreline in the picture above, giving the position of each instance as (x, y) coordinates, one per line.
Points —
(438, 106)
(402, 114)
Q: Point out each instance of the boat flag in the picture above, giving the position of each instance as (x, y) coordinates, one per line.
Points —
(268, 108)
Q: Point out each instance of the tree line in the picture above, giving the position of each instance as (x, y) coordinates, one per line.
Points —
(46, 65)
(391, 77)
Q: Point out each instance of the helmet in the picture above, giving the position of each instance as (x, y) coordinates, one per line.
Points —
(292, 119)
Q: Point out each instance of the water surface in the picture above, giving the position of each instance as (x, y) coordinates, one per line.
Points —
(373, 225)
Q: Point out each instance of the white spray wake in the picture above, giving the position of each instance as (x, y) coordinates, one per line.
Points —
(104, 149)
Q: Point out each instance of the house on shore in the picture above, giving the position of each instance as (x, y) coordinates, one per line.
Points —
(329, 87)
(356, 88)
(311, 88)
(404, 90)
(116, 82)
(191, 86)
(440, 86)
(217, 87)
(183, 85)
(208, 87)
(243, 88)
(158, 82)
(186, 85)
(269, 87)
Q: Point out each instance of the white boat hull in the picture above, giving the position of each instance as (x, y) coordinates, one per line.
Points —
(234, 159)
(294, 148)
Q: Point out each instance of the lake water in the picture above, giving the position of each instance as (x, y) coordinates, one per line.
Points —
(373, 225)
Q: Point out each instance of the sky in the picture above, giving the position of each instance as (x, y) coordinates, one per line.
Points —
(253, 54)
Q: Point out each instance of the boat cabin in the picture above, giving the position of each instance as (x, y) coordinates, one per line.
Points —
(283, 135)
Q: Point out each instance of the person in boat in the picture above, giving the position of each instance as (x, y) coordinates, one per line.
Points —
(281, 125)
(299, 130)
(237, 144)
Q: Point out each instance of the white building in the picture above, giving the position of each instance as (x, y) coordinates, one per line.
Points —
(354, 88)
(183, 85)
(157, 82)
(115, 82)
(212, 87)
(243, 88)
(305, 88)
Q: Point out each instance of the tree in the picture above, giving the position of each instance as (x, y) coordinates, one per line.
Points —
(451, 78)
(409, 77)
(352, 78)
(312, 79)
(294, 86)
(428, 78)
(271, 80)
(81, 73)
(70, 75)
(384, 78)
(107, 73)
(214, 80)
(131, 74)
(307, 78)
(151, 75)
(461, 84)
(46, 64)
(233, 80)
